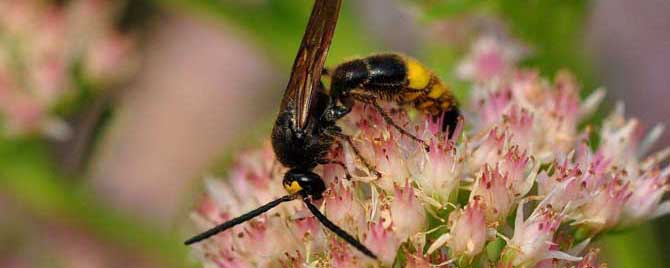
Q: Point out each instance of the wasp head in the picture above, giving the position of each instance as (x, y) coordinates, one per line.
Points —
(305, 182)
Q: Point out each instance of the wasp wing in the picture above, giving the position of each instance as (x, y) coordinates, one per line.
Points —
(306, 72)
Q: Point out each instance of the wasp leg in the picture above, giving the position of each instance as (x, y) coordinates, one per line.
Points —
(339, 163)
(337, 133)
(388, 119)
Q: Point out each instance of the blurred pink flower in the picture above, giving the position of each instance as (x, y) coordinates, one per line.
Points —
(42, 43)
(605, 208)
(491, 57)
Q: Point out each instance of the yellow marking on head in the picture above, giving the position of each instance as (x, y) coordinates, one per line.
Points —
(293, 188)
(417, 75)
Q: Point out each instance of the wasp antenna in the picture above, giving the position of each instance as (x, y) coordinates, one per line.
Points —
(337, 230)
(245, 217)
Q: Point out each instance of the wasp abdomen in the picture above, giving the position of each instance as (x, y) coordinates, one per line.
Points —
(398, 78)
(383, 75)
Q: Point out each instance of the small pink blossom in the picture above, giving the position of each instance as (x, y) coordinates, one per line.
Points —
(382, 241)
(341, 254)
(515, 165)
(590, 260)
(308, 230)
(645, 202)
(297, 261)
(488, 151)
(342, 208)
(407, 214)
(520, 125)
(533, 238)
(491, 190)
(468, 230)
(438, 170)
(414, 261)
(494, 105)
(490, 58)
(606, 206)
(389, 162)
(108, 57)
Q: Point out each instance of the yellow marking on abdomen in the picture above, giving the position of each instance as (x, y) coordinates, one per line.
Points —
(417, 75)
(437, 90)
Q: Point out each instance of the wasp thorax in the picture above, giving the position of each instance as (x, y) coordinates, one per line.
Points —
(305, 182)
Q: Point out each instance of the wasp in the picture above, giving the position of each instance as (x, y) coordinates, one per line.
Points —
(396, 78)
(305, 128)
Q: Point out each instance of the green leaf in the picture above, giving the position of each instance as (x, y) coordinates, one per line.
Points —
(494, 248)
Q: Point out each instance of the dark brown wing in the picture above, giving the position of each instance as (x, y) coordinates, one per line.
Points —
(311, 56)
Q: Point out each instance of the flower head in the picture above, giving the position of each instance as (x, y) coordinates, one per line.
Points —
(457, 195)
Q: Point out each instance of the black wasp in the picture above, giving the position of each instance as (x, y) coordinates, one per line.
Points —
(305, 128)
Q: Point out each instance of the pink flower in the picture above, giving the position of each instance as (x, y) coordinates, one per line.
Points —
(490, 58)
(341, 254)
(389, 162)
(520, 125)
(437, 171)
(590, 260)
(604, 209)
(109, 57)
(645, 202)
(382, 241)
(515, 166)
(491, 190)
(493, 106)
(407, 214)
(342, 208)
(488, 151)
(265, 241)
(468, 230)
(297, 261)
(533, 238)
(46, 43)
(308, 230)
(414, 261)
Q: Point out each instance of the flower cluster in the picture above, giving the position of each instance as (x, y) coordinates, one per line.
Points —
(519, 185)
(46, 49)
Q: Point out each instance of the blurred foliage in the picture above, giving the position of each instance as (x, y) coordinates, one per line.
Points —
(29, 176)
(278, 25)
(554, 29)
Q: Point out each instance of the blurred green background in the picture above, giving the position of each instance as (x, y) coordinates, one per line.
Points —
(208, 83)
